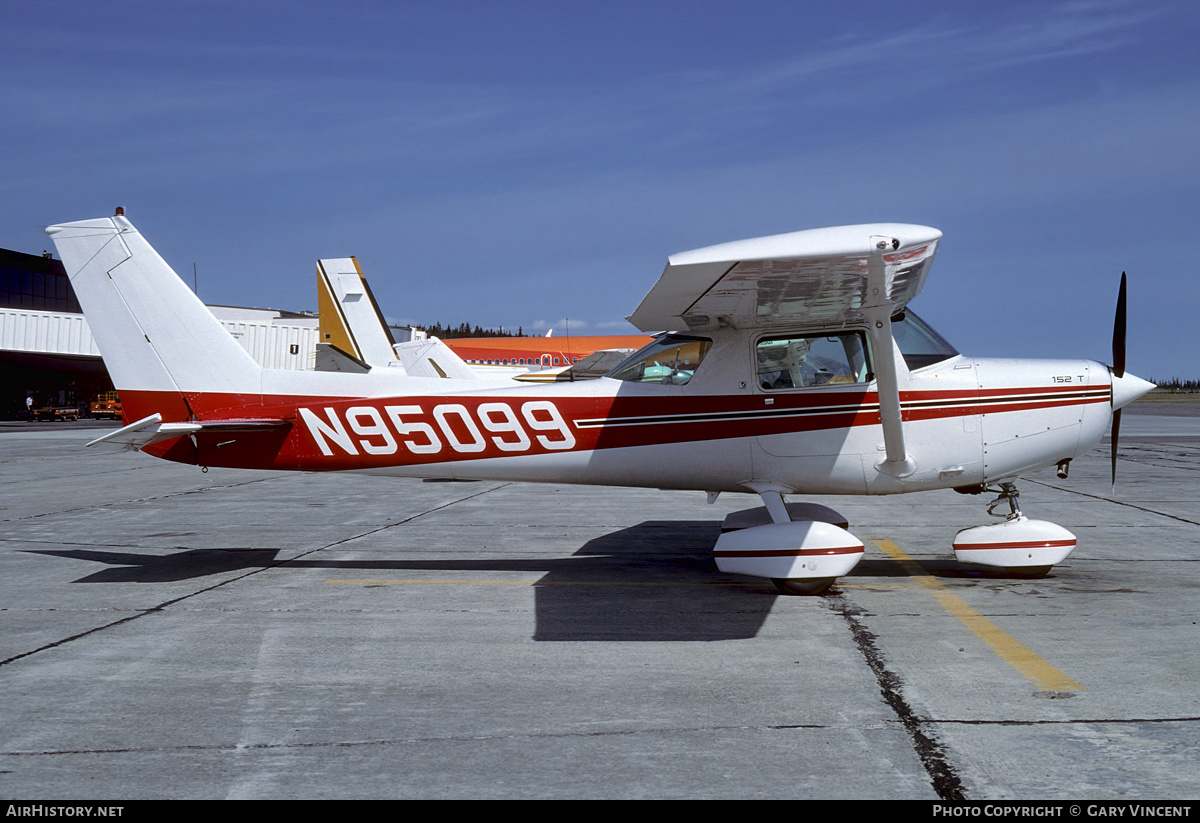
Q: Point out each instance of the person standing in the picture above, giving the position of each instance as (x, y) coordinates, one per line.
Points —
(29, 407)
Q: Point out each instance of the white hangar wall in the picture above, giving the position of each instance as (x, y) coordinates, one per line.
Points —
(273, 340)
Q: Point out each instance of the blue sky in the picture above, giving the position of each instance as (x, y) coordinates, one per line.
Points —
(514, 163)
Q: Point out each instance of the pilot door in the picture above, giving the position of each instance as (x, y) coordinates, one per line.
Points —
(812, 390)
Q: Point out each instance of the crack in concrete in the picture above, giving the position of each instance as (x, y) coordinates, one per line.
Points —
(392, 741)
(161, 606)
(928, 749)
(1110, 500)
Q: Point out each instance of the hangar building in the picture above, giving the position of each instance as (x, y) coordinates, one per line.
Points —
(47, 350)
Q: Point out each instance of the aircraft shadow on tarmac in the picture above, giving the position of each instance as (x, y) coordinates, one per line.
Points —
(654, 581)
(131, 567)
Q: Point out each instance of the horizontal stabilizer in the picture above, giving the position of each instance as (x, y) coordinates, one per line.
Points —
(144, 432)
(151, 430)
(331, 358)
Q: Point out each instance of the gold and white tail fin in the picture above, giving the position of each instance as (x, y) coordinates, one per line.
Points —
(351, 321)
(355, 336)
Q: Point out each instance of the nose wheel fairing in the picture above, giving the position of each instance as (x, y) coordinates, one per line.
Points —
(1018, 544)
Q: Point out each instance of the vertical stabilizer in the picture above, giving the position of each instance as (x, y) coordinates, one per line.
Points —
(350, 318)
(433, 358)
(153, 332)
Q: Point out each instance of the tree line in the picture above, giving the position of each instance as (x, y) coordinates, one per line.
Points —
(467, 330)
(1175, 384)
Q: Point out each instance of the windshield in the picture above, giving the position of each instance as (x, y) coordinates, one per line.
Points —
(920, 344)
(671, 359)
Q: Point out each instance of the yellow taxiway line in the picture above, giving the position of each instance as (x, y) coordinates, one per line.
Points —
(1012, 652)
(1045, 676)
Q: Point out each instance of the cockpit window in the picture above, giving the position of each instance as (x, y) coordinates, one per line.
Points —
(671, 359)
(802, 360)
(920, 344)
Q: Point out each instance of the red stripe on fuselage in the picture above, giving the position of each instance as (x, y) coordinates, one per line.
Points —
(377, 432)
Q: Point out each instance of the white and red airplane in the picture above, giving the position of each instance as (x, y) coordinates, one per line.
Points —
(794, 368)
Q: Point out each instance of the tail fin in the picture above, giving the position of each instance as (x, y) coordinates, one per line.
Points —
(433, 358)
(350, 318)
(153, 332)
(353, 324)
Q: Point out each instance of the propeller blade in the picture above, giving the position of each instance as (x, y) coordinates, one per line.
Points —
(1118, 346)
(1118, 370)
(1116, 434)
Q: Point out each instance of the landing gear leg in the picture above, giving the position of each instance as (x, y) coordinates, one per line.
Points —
(1010, 495)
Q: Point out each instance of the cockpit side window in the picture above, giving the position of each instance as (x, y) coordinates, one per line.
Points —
(804, 360)
(671, 360)
(918, 342)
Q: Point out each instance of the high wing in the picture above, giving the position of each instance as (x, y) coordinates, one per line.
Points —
(824, 275)
(839, 276)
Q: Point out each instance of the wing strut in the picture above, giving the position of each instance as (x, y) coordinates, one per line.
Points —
(878, 311)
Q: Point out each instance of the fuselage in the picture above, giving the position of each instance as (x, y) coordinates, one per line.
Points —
(722, 426)
(801, 371)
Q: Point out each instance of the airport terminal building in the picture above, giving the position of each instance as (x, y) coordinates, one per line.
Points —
(47, 351)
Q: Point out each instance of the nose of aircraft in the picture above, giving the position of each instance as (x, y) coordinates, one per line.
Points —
(1127, 388)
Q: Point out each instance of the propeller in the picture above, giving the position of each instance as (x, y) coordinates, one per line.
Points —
(1118, 369)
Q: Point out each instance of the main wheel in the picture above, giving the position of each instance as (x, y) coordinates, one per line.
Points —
(802, 586)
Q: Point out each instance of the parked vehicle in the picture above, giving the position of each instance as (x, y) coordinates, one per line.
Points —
(107, 406)
(52, 413)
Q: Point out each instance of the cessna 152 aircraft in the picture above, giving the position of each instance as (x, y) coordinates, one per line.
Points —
(793, 367)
